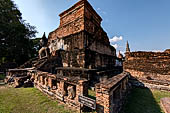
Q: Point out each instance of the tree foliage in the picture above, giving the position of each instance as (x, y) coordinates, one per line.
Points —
(15, 34)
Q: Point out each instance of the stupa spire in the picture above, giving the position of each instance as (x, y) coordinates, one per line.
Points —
(127, 47)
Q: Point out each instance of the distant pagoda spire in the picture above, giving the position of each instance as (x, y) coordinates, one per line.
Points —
(44, 36)
(120, 55)
(127, 47)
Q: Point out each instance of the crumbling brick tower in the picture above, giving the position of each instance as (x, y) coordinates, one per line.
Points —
(80, 35)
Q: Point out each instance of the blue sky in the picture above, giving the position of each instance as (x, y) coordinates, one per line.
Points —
(144, 23)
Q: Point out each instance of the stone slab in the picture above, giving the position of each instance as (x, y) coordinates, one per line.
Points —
(165, 103)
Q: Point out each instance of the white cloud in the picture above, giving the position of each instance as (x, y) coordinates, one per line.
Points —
(98, 9)
(157, 51)
(116, 39)
(115, 46)
(101, 11)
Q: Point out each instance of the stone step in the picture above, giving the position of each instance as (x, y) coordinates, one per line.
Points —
(2, 82)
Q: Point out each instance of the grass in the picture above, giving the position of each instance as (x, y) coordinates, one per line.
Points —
(28, 100)
(31, 100)
(144, 101)
(92, 94)
(2, 76)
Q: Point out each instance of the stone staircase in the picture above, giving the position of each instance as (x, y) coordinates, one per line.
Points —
(2, 82)
(40, 62)
(29, 63)
(35, 62)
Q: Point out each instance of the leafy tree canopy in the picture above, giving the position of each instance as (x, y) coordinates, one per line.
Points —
(15, 35)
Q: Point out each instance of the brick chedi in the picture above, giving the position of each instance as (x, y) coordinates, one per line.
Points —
(80, 35)
(78, 55)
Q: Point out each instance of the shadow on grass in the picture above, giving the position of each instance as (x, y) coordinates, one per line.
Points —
(92, 97)
(141, 101)
(2, 76)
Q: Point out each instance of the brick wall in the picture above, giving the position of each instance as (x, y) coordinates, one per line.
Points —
(111, 93)
(153, 65)
(64, 89)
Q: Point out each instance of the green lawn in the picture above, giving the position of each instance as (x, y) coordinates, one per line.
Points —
(31, 100)
(144, 101)
(28, 100)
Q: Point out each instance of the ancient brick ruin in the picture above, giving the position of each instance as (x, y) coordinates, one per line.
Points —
(110, 94)
(19, 77)
(65, 89)
(152, 69)
(82, 38)
(76, 57)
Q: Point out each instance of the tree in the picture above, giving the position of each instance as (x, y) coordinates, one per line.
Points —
(36, 44)
(15, 34)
